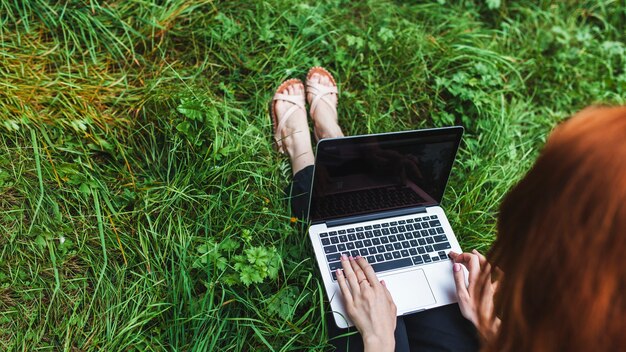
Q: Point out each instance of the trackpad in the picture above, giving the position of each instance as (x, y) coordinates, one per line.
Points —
(410, 290)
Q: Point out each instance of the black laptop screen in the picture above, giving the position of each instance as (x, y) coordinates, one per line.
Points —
(374, 173)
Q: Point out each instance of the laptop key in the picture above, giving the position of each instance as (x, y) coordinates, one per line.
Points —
(352, 237)
(354, 253)
(350, 245)
(393, 230)
(385, 232)
(334, 266)
(368, 227)
(371, 259)
(396, 254)
(439, 229)
(430, 240)
(401, 222)
(376, 241)
(367, 243)
(440, 238)
(416, 234)
(358, 244)
(333, 233)
(442, 255)
(330, 249)
(421, 250)
(384, 240)
(376, 226)
(421, 241)
(341, 247)
(363, 252)
(406, 244)
(433, 216)
(360, 235)
(369, 234)
(388, 256)
(377, 233)
(424, 233)
(385, 224)
(360, 228)
(440, 246)
(400, 237)
(435, 258)
(426, 258)
(413, 243)
(343, 238)
(393, 238)
(334, 240)
(425, 225)
(417, 226)
(401, 228)
(408, 235)
(393, 264)
(333, 257)
(372, 250)
(417, 260)
(434, 223)
(380, 257)
(397, 245)
(351, 230)
(404, 253)
(409, 221)
(389, 247)
(324, 234)
(325, 241)
(413, 251)
(409, 227)
(380, 249)
(429, 248)
(341, 232)
(393, 223)
(432, 232)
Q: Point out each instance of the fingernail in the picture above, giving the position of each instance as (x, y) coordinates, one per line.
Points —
(351, 258)
(357, 257)
(474, 251)
(344, 257)
(383, 283)
(339, 272)
(456, 267)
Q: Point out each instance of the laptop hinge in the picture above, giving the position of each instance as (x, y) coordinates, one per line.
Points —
(377, 216)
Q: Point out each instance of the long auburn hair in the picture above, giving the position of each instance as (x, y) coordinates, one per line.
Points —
(561, 243)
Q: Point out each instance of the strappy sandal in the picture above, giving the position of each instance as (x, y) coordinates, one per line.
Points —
(296, 100)
(320, 91)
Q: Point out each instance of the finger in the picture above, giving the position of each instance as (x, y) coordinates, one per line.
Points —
(481, 258)
(387, 293)
(343, 286)
(453, 255)
(459, 281)
(470, 261)
(368, 271)
(349, 274)
(360, 275)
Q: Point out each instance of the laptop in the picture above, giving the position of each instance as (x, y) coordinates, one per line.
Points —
(378, 196)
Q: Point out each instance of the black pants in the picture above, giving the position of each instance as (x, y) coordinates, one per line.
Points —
(438, 329)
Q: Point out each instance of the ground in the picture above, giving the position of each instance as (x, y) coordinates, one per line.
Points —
(141, 201)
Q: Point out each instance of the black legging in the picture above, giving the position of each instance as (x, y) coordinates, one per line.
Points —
(438, 329)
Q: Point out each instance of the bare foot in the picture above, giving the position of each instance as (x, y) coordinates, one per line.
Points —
(324, 115)
(294, 135)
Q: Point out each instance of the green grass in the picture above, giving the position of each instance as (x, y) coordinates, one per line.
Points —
(141, 203)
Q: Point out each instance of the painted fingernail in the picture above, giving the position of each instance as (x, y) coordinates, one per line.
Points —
(351, 258)
(383, 283)
(456, 267)
(344, 257)
(339, 272)
(357, 257)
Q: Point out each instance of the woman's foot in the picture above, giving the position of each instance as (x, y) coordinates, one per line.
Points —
(322, 98)
(290, 124)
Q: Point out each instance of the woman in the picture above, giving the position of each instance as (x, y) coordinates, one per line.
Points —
(560, 243)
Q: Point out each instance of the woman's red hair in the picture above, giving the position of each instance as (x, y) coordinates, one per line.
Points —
(562, 243)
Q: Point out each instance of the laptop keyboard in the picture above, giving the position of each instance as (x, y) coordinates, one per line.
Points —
(390, 245)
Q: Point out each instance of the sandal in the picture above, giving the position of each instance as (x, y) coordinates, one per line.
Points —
(320, 91)
(296, 100)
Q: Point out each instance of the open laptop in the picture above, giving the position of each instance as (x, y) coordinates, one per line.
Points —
(378, 196)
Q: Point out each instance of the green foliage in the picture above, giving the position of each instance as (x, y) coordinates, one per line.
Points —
(142, 204)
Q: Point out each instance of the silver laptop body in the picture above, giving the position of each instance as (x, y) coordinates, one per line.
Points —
(378, 196)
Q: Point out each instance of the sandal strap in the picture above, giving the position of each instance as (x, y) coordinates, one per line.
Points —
(320, 91)
(298, 103)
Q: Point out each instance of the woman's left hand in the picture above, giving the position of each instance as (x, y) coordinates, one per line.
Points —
(368, 303)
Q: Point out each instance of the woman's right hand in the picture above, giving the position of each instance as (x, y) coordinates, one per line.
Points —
(476, 298)
(368, 303)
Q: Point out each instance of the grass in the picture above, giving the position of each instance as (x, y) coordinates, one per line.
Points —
(142, 205)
